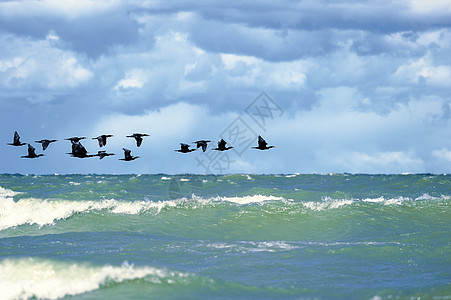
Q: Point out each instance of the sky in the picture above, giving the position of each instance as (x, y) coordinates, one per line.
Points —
(337, 86)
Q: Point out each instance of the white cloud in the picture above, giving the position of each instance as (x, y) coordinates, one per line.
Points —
(422, 70)
(430, 6)
(12, 63)
(442, 154)
(169, 125)
(135, 78)
(380, 162)
(344, 134)
(440, 37)
(252, 71)
(67, 8)
(37, 63)
(52, 36)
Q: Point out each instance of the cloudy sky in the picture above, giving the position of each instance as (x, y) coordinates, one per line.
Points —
(337, 86)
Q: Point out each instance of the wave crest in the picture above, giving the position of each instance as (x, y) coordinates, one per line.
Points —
(28, 277)
(34, 211)
(6, 193)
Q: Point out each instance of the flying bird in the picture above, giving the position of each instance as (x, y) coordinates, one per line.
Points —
(75, 139)
(262, 144)
(184, 148)
(102, 154)
(45, 143)
(128, 156)
(102, 139)
(222, 146)
(138, 137)
(203, 144)
(16, 141)
(31, 153)
(79, 151)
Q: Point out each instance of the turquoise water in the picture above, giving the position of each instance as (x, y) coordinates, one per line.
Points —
(336, 236)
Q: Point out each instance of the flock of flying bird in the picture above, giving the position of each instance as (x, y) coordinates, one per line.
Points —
(78, 150)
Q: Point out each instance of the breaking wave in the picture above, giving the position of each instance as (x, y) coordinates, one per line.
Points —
(26, 278)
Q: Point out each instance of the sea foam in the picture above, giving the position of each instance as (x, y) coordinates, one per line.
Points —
(45, 212)
(251, 199)
(28, 277)
(41, 212)
(6, 193)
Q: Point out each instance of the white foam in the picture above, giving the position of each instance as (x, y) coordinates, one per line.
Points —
(27, 277)
(7, 193)
(46, 212)
(42, 212)
(291, 176)
(248, 247)
(271, 246)
(327, 203)
(429, 197)
(165, 178)
(374, 200)
(251, 199)
(391, 201)
(37, 211)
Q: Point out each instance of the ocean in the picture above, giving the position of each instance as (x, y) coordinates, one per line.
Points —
(240, 236)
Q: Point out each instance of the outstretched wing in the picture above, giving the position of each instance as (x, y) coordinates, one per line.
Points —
(16, 138)
(222, 144)
(127, 153)
(261, 142)
(139, 140)
(45, 144)
(31, 151)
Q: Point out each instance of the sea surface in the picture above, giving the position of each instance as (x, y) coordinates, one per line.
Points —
(242, 236)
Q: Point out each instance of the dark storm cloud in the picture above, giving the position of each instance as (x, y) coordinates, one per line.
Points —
(93, 33)
(378, 16)
(287, 30)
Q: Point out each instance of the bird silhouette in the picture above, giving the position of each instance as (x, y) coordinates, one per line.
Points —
(262, 144)
(222, 146)
(138, 137)
(31, 153)
(102, 154)
(79, 151)
(102, 139)
(184, 148)
(128, 156)
(45, 143)
(16, 140)
(203, 144)
(75, 139)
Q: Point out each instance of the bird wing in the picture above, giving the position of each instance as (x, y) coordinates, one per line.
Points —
(222, 143)
(16, 137)
(127, 153)
(31, 150)
(79, 150)
(45, 144)
(139, 140)
(103, 138)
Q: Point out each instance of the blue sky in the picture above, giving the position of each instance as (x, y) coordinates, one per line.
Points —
(341, 86)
